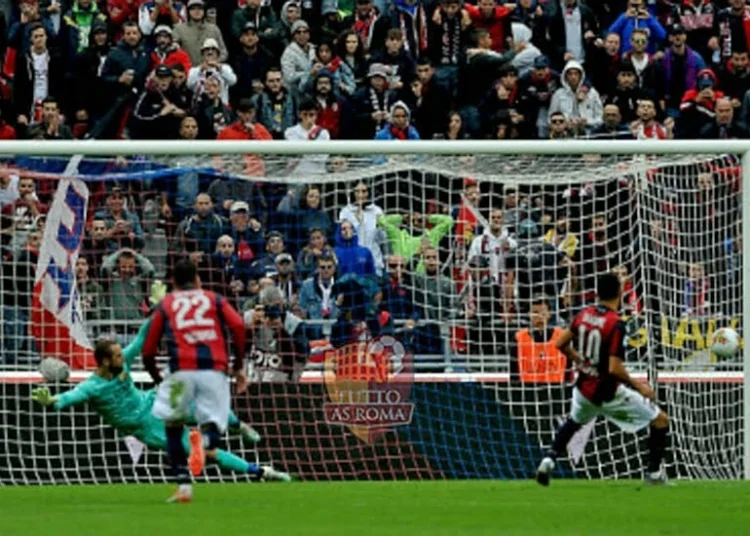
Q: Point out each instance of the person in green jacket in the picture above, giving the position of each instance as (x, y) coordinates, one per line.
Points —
(408, 235)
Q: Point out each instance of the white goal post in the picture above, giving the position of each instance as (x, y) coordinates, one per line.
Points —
(644, 153)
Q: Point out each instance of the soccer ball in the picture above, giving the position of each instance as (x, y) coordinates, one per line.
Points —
(53, 370)
(725, 342)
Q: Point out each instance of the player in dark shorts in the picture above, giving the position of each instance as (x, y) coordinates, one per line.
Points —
(604, 386)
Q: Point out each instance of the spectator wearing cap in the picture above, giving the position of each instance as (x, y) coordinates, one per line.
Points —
(411, 17)
(153, 13)
(487, 15)
(637, 16)
(276, 106)
(244, 228)
(723, 126)
(680, 67)
(211, 66)
(362, 21)
(372, 102)
(251, 64)
(731, 30)
(331, 25)
(734, 78)
(613, 127)
(572, 29)
(167, 52)
(398, 126)
(262, 16)
(38, 75)
(199, 232)
(698, 18)
(226, 192)
(89, 93)
(646, 127)
(401, 64)
(698, 105)
(307, 129)
(77, 24)
(127, 66)
(580, 103)
(535, 90)
(123, 226)
(155, 117)
(298, 57)
(266, 265)
(645, 66)
(286, 280)
(317, 245)
(213, 115)
(192, 33)
(627, 93)
(316, 298)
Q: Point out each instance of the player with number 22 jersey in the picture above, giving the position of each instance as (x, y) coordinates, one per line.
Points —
(595, 342)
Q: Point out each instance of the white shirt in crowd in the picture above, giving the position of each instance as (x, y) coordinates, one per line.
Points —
(9, 192)
(196, 81)
(494, 248)
(41, 80)
(315, 163)
(366, 227)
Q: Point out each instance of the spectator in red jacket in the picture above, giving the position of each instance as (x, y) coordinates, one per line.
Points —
(167, 52)
(495, 19)
(245, 128)
(697, 106)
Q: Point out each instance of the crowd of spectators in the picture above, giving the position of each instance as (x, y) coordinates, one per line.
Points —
(366, 69)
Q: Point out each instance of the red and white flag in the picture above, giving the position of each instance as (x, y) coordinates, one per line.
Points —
(56, 316)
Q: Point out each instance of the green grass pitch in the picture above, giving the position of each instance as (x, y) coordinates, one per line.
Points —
(391, 508)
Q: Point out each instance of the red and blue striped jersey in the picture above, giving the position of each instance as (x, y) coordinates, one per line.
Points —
(599, 333)
(196, 325)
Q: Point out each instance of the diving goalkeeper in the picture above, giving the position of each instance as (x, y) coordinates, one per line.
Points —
(113, 395)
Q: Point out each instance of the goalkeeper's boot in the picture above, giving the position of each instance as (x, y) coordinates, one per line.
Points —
(197, 458)
(183, 494)
(546, 467)
(249, 434)
(272, 475)
(659, 478)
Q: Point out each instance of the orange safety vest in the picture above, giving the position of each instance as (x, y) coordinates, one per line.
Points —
(540, 362)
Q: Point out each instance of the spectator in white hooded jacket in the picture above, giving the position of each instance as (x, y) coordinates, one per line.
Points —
(211, 66)
(580, 103)
(364, 216)
(297, 59)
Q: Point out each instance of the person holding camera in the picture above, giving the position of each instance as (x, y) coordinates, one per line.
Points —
(278, 347)
(211, 66)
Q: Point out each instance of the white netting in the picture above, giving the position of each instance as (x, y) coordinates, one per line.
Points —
(670, 224)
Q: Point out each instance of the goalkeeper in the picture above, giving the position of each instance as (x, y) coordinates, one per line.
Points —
(114, 396)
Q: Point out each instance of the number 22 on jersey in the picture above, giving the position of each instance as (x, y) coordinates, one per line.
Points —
(190, 312)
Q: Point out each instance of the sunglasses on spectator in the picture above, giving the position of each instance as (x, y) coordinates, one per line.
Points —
(557, 121)
(640, 41)
(395, 266)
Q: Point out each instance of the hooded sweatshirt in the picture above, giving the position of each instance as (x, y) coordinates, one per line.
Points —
(353, 258)
(566, 100)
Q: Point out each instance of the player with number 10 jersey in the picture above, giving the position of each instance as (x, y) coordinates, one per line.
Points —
(595, 342)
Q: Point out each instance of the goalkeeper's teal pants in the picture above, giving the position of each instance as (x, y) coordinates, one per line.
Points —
(153, 433)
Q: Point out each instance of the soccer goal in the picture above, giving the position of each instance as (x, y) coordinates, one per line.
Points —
(477, 251)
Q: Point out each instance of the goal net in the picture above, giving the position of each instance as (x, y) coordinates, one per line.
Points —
(470, 265)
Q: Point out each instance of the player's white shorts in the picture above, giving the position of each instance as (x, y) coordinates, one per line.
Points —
(205, 390)
(629, 410)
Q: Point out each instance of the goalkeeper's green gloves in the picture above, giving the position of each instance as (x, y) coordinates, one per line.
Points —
(42, 396)
(158, 291)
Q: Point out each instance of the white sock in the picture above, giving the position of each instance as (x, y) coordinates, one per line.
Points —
(186, 488)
